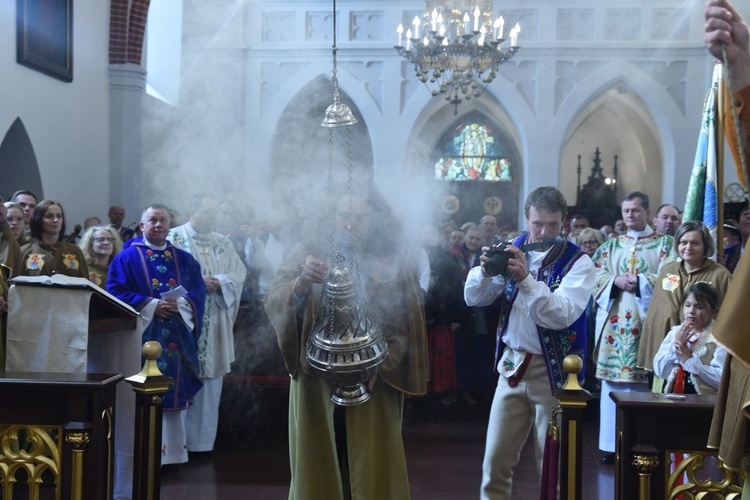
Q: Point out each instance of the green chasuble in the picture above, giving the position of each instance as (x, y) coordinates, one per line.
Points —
(377, 464)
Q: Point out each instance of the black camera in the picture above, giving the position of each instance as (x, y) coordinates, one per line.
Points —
(498, 263)
(498, 258)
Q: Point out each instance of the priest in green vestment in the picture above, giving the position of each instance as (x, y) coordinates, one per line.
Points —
(357, 451)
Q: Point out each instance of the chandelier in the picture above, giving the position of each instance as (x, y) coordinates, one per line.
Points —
(459, 52)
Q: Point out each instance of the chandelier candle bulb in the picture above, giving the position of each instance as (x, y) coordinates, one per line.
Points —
(434, 19)
(476, 18)
(442, 30)
(415, 22)
(514, 35)
(466, 22)
(408, 39)
(499, 24)
(400, 31)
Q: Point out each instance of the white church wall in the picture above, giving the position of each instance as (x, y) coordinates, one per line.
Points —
(198, 145)
(66, 122)
(244, 62)
(570, 53)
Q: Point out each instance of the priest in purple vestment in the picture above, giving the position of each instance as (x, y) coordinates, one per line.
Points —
(165, 285)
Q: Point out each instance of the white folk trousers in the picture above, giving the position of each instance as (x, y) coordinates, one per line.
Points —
(516, 412)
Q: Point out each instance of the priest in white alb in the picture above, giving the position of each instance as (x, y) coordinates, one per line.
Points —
(626, 270)
(224, 274)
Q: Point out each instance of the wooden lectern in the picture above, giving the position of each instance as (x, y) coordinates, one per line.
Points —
(50, 319)
(69, 325)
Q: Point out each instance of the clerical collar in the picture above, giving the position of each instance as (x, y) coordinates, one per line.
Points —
(639, 234)
(152, 246)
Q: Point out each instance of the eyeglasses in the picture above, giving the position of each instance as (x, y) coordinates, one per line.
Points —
(99, 239)
(590, 243)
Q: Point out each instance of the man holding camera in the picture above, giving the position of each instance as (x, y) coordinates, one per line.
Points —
(546, 292)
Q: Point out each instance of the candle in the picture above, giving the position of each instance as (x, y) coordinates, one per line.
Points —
(476, 18)
(499, 23)
(408, 39)
(415, 22)
(514, 35)
(445, 42)
(466, 22)
(400, 31)
(483, 32)
(442, 30)
(425, 41)
(434, 19)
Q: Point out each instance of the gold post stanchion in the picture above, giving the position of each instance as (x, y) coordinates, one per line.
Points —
(78, 437)
(149, 385)
(645, 465)
(573, 400)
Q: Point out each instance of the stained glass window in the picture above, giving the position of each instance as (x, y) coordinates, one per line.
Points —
(473, 151)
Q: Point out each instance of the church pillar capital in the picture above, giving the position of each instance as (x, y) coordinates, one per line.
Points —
(127, 77)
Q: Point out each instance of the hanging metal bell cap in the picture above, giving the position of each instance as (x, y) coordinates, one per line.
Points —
(338, 115)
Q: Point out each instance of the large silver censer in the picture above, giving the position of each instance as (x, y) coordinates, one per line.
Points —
(345, 347)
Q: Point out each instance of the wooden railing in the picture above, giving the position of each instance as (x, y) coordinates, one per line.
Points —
(149, 385)
(650, 430)
(57, 433)
(573, 400)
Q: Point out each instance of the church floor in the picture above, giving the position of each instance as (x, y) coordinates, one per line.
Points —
(444, 448)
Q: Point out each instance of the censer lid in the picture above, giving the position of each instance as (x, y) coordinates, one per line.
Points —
(340, 282)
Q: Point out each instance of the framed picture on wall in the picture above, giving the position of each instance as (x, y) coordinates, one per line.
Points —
(44, 36)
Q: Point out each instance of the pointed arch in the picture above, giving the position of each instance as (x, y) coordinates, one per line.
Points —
(348, 85)
(617, 121)
(127, 27)
(472, 196)
(18, 166)
(299, 146)
(658, 106)
(438, 116)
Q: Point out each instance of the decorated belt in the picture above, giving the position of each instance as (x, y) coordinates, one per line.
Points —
(514, 379)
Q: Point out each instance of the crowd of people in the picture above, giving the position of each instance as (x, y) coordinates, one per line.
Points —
(580, 291)
(186, 280)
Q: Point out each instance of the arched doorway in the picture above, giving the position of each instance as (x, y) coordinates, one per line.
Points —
(299, 149)
(618, 123)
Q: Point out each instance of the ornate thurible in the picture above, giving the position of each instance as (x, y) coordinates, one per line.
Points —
(345, 347)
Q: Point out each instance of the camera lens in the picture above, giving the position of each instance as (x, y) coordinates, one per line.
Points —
(497, 264)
